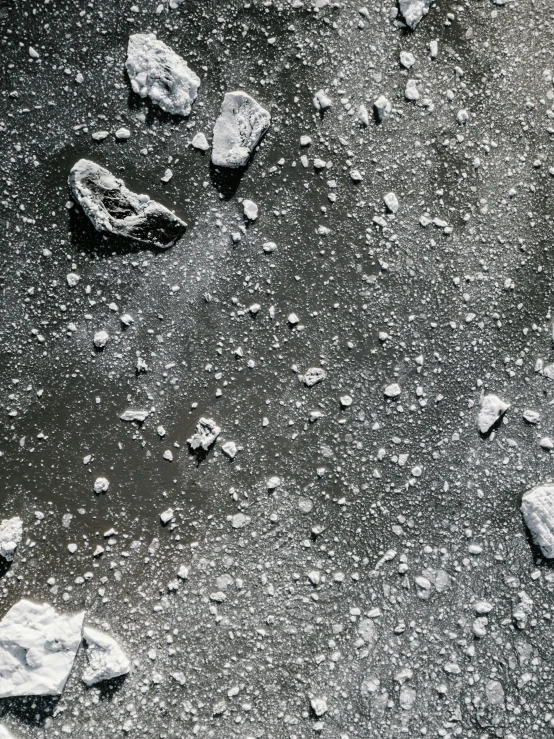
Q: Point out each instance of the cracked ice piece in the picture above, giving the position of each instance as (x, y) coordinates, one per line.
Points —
(241, 124)
(37, 649)
(157, 72)
(206, 433)
(106, 659)
(537, 507)
(492, 408)
(11, 531)
(131, 415)
(414, 10)
(313, 375)
(111, 207)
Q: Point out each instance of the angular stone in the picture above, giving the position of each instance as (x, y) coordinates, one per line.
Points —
(37, 649)
(537, 507)
(106, 659)
(313, 375)
(11, 531)
(157, 72)
(112, 208)
(492, 408)
(206, 433)
(414, 10)
(241, 124)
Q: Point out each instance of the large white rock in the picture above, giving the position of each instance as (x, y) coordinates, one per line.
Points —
(414, 10)
(11, 531)
(113, 208)
(241, 124)
(5, 734)
(492, 408)
(106, 659)
(537, 507)
(206, 433)
(157, 72)
(37, 649)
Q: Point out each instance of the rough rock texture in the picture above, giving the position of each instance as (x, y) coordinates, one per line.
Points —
(537, 507)
(37, 649)
(113, 208)
(157, 72)
(241, 124)
(492, 408)
(313, 375)
(206, 433)
(414, 10)
(106, 659)
(11, 531)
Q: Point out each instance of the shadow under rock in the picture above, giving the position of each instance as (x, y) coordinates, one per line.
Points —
(32, 710)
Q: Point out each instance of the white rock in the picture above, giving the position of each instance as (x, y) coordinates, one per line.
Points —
(37, 649)
(293, 319)
(72, 279)
(33, 53)
(206, 433)
(101, 484)
(250, 209)
(346, 401)
(305, 140)
(492, 408)
(131, 415)
(166, 516)
(411, 92)
(407, 60)
(167, 176)
(122, 134)
(11, 531)
(531, 416)
(114, 209)
(382, 109)
(434, 48)
(363, 115)
(200, 142)
(356, 175)
(322, 101)
(126, 319)
(239, 520)
(241, 124)
(106, 659)
(414, 10)
(391, 201)
(462, 117)
(319, 706)
(101, 338)
(393, 390)
(537, 507)
(273, 482)
(313, 375)
(157, 72)
(229, 449)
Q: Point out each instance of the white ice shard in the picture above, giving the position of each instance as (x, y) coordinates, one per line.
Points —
(106, 659)
(157, 72)
(414, 10)
(37, 649)
(113, 208)
(492, 408)
(11, 531)
(241, 124)
(206, 433)
(537, 507)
